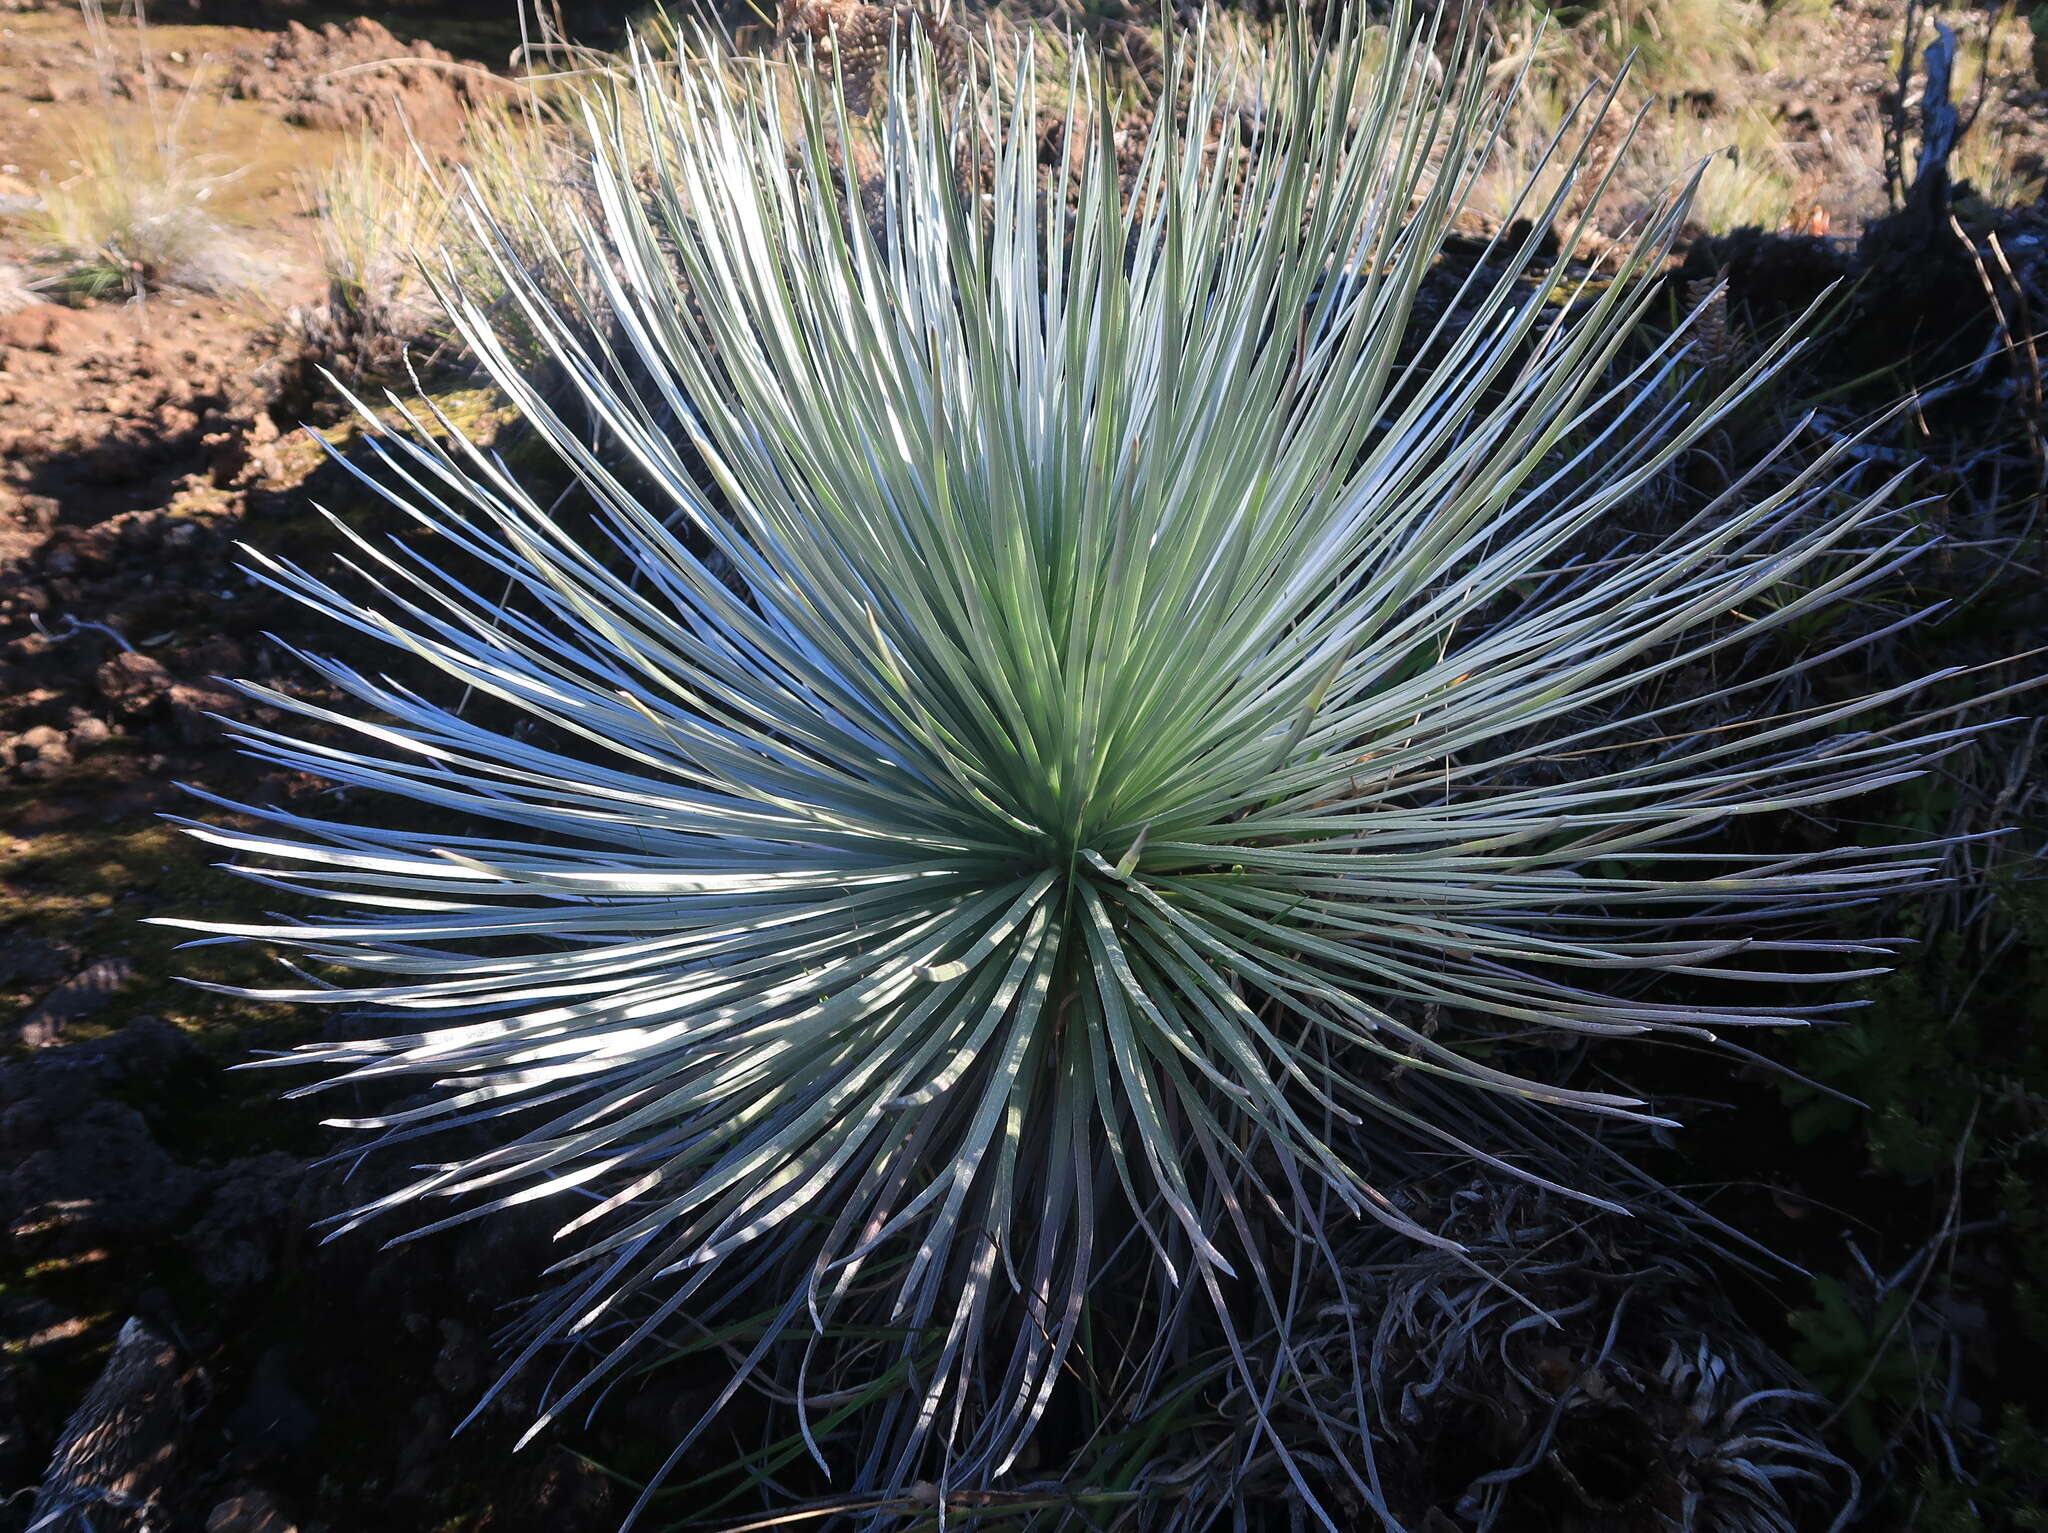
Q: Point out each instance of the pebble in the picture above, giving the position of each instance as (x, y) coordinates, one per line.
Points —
(250, 1512)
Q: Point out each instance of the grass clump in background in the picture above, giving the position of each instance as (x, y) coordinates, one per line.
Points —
(145, 201)
(140, 212)
(394, 233)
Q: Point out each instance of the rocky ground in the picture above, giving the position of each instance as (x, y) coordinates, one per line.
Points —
(154, 1213)
(138, 1187)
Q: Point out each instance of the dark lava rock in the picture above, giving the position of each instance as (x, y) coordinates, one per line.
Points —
(236, 1239)
(273, 1420)
(79, 996)
(249, 1511)
(77, 1165)
(132, 682)
(26, 958)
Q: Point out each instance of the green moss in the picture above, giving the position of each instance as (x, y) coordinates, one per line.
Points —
(93, 885)
(1949, 1061)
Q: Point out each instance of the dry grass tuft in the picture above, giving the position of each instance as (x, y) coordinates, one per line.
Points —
(391, 220)
(141, 211)
(378, 211)
(1997, 165)
(1751, 182)
(1728, 81)
(143, 207)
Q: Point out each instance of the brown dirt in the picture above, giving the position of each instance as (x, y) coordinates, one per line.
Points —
(138, 442)
(355, 74)
(275, 106)
(132, 436)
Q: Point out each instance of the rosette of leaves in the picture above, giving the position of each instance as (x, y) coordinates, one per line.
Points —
(1092, 652)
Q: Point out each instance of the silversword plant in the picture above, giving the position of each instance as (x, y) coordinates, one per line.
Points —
(1092, 654)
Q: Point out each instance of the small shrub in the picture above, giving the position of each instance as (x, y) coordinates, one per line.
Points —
(1084, 715)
